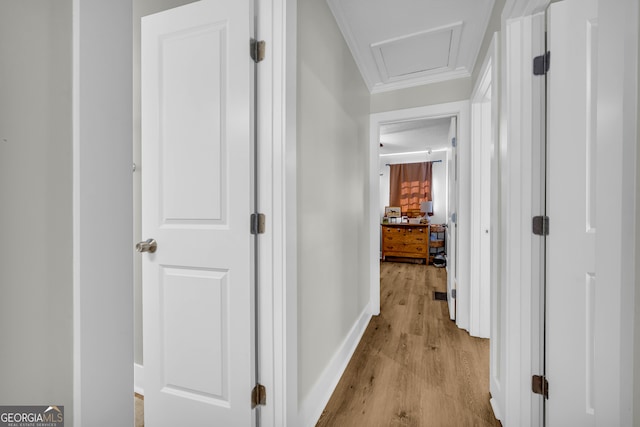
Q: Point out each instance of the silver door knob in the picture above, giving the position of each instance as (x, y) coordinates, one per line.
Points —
(149, 245)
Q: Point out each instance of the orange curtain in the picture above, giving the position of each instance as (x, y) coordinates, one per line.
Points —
(410, 184)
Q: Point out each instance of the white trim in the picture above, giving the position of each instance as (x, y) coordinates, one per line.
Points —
(458, 73)
(319, 395)
(496, 344)
(269, 14)
(459, 109)
(521, 135)
(463, 220)
(285, 213)
(479, 307)
(277, 199)
(496, 409)
(138, 378)
(411, 153)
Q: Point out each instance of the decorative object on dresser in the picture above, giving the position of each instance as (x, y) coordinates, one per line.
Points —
(405, 241)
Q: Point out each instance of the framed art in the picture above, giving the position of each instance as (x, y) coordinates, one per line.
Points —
(393, 211)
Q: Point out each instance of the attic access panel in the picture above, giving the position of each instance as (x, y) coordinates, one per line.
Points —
(418, 54)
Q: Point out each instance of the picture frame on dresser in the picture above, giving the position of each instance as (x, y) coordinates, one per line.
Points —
(393, 211)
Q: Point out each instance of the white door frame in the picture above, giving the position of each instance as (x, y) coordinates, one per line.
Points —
(520, 179)
(459, 109)
(483, 134)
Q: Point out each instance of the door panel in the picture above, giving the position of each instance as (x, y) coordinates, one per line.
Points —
(571, 168)
(197, 100)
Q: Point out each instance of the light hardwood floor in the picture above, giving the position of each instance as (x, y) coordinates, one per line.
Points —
(413, 367)
(138, 404)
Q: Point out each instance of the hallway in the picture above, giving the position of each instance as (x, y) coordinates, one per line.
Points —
(413, 367)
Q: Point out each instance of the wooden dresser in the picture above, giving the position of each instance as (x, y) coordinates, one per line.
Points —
(405, 240)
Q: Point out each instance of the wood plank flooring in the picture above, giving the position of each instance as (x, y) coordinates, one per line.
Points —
(138, 406)
(413, 367)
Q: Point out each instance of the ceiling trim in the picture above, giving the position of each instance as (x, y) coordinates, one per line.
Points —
(427, 79)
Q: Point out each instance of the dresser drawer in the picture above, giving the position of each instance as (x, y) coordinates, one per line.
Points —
(403, 238)
(414, 238)
(416, 248)
(406, 237)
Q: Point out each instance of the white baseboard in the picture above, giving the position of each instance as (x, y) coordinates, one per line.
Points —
(316, 401)
(496, 409)
(138, 379)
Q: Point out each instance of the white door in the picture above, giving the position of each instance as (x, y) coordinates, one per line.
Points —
(571, 207)
(196, 170)
(452, 221)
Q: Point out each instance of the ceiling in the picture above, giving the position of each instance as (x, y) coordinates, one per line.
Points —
(405, 43)
(414, 135)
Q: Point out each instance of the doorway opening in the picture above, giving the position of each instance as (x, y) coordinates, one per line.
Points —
(422, 147)
(408, 121)
(469, 201)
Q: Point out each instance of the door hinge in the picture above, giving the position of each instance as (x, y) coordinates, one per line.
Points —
(258, 48)
(540, 225)
(258, 396)
(454, 141)
(541, 64)
(453, 293)
(257, 223)
(540, 385)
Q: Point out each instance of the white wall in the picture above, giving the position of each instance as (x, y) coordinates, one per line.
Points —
(439, 181)
(420, 96)
(615, 191)
(36, 282)
(636, 328)
(332, 208)
(65, 132)
(493, 26)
